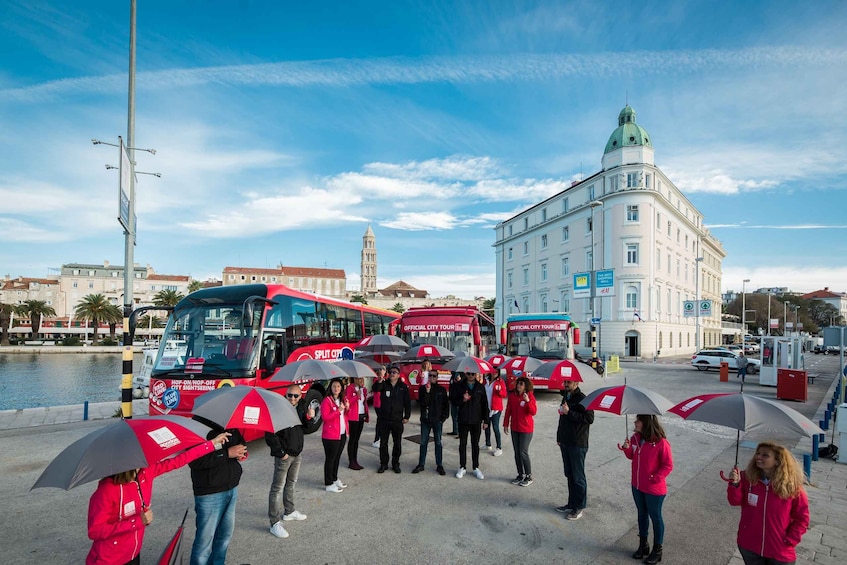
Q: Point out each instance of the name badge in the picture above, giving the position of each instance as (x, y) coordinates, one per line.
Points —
(752, 499)
(129, 508)
(388, 394)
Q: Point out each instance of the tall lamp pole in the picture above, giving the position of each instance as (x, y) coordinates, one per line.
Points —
(593, 204)
(744, 311)
(697, 262)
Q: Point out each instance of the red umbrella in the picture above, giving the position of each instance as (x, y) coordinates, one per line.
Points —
(519, 367)
(558, 371)
(497, 360)
(427, 351)
(626, 399)
(468, 364)
(382, 343)
(246, 408)
(173, 553)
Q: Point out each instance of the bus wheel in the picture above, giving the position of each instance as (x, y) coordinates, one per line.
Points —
(313, 400)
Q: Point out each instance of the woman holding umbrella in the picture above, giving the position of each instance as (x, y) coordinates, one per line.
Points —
(774, 506)
(119, 510)
(652, 462)
(521, 409)
(334, 433)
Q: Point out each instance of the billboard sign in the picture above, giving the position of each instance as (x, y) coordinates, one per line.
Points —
(123, 188)
(582, 285)
(606, 283)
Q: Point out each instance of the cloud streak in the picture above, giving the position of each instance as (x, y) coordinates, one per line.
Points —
(440, 69)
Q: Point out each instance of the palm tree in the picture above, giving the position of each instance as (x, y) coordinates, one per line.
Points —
(97, 308)
(195, 285)
(114, 316)
(36, 310)
(6, 311)
(167, 298)
(399, 308)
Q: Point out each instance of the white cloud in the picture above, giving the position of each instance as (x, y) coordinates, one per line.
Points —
(417, 221)
(801, 278)
(17, 231)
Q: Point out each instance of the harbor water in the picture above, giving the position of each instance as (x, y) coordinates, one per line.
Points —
(34, 380)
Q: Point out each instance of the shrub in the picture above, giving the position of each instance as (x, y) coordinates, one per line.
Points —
(108, 341)
(71, 341)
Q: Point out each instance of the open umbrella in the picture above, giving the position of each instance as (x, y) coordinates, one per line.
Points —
(308, 370)
(245, 408)
(626, 399)
(745, 413)
(382, 343)
(460, 354)
(497, 360)
(558, 371)
(370, 362)
(173, 553)
(355, 368)
(468, 364)
(121, 446)
(517, 367)
(427, 351)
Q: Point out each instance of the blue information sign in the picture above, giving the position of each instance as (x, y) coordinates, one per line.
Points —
(606, 283)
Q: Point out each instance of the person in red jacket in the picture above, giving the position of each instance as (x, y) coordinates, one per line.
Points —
(357, 398)
(520, 412)
(495, 389)
(334, 433)
(119, 510)
(774, 506)
(652, 462)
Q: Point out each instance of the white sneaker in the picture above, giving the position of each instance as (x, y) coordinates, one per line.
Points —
(375, 444)
(488, 448)
(294, 515)
(498, 452)
(460, 473)
(339, 484)
(279, 531)
(333, 488)
(478, 474)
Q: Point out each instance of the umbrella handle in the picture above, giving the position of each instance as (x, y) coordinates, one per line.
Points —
(727, 479)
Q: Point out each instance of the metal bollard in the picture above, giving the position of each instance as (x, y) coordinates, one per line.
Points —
(815, 445)
(824, 424)
(807, 466)
(85, 411)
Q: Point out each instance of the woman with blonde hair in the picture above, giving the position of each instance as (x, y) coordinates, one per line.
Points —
(774, 506)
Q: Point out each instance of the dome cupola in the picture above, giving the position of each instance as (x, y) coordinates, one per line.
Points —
(628, 133)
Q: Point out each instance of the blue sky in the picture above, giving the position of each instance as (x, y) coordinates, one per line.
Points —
(283, 128)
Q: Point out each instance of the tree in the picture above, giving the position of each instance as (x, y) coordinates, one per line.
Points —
(358, 298)
(97, 309)
(6, 311)
(399, 308)
(167, 298)
(115, 316)
(194, 285)
(488, 306)
(35, 310)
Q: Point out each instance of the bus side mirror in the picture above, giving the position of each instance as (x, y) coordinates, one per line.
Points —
(269, 358)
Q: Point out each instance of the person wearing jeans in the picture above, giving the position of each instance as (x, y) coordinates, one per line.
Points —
(572, 438)
(456, 379)
(435, 407)
(286, 446)
(215, 479)
(495, 390)
(520, 412)
(334, 433)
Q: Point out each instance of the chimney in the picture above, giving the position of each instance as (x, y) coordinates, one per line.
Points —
(105, 264)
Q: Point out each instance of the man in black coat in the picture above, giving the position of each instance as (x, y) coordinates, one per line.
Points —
(395, 408)
(472, 402)
(435, 408)
(572, 439)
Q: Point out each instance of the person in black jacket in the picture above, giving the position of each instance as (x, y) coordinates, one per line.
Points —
(215, 479)
(472, 402)
(286, 446)
(395, 408)
(435, 408)
(572, 439)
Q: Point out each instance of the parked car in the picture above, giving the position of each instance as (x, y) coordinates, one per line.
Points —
(751, 348)
(712, 358)
(827, 350)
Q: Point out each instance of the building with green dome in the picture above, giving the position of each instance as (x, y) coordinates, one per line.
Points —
(637, 223)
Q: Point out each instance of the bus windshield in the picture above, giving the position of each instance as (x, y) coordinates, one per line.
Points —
(551, 344)
(454, 341)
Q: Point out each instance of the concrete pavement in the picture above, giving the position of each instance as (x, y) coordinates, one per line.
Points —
(427, 518)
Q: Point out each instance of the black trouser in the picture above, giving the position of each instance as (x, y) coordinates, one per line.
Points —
(475, 430)
(395, 430)
(520, 442)
(332, 450)
(355, 433)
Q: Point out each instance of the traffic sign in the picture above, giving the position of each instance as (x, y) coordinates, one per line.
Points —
(595, 321)
(706, 308)
(688, 309)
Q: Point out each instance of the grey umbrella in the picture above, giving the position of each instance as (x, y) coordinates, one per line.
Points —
(370, 362)
(246, 407)
(356, 369)
(121, 446)
(468, 364)
(307, 370)
(381, 343)
(745, 413)
(626, 399)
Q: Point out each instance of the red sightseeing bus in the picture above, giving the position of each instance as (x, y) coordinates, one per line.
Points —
(547, 337)
(243, 335)
(465, 329)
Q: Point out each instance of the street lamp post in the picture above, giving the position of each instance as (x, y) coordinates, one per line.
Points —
(769, 313)
(697, 262)
(744, 311)
(593, 204)
(785, 306)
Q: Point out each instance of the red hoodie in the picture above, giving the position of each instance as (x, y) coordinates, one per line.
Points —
(652, 462)
(770, 526)
(114, 510)
(520, 413)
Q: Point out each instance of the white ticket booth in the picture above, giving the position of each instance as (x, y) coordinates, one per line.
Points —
(779, 353)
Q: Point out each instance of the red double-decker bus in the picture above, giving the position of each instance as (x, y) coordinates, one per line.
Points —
(243, 334)
(461, 329)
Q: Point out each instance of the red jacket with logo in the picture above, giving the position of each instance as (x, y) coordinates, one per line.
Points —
(770, 526)
(520, 414)
(332, 415)
(114, 510)
(353, 396)
(652, 462)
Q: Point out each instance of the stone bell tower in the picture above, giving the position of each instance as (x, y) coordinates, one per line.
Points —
(368, 263)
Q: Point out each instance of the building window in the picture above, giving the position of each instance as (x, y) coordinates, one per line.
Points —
(566, 234)
(677, 235)
(589, 224)
(525, 303)
(669, 306)
(566, 303)
(526, 248)
(76, 272)
(613, 182)
(632, 213)
(686, 242)
(669, 229)
(253, 278)
(648, 180)
(508, 280)
(74, 285)
(90, 273)
(677, 268)
(591, 193)
(565, 207)
(544, 214)
(138, 275)
(658, 299)
(631, 253)
(566, 268)
(90, 285)
(589, 261)
(544, 241)
(114, 274)
(525, 276)
(525, 224)
(273, 279)
(669, 263)
(658, 221)
(232, 277)
(631, 180)
(544, 273)
(509, 254)
(658, 259)
(510, 230)
(543, 302)
(631, 297)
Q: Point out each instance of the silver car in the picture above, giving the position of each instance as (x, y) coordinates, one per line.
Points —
(712, 358)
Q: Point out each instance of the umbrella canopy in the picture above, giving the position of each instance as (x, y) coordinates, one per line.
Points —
(626, 399)
(173, 553)
(355, 368)
(519, 366)
(381, 343)
(560, 371)
(497, 360)
(460, 354)
(246, 408)
(745, 413)
(121, 446)
(468, 364)
(427, 351)
(370, 362)
(308, 370)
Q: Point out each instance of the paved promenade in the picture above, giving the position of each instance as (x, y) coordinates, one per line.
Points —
(426, 518)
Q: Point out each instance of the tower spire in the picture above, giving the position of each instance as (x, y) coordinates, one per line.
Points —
(369, 264)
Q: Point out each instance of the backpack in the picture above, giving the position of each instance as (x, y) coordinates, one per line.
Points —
(828, 452)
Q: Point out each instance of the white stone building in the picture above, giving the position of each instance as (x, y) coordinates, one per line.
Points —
(327, 282)
(641, 226)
